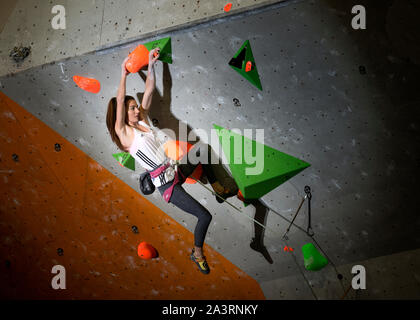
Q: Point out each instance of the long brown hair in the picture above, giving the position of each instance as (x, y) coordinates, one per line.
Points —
(111, 117)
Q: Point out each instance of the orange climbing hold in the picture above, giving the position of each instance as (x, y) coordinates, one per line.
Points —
(176, 150)
(228, 7)
(139, 58)
(146, 251)
(87, 84)
(198, 171)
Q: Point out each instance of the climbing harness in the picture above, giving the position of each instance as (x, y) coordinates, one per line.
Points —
(179, 177)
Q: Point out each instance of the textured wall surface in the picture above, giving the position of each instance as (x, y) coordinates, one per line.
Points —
(95, 24)
(59, 198)
(358, 130)
(6, 9)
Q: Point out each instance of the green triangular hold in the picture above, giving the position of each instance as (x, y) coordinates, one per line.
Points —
(313, 259)
(239, 61)
(275, 167)
(165, 48)
(125, 159)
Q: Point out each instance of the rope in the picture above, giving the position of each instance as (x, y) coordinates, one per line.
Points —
(345, 294)
(283, 239)
(297, 211)
(214, 193)
(265, 227)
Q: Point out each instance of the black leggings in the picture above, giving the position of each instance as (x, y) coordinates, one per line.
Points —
(186, 202)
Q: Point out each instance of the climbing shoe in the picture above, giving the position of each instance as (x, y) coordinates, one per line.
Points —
(221, 197)
(201, 263)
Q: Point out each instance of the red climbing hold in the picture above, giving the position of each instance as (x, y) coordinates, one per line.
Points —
(228, 7)
(240, 196)
(87, 84)
(146, 251)
(248, 66)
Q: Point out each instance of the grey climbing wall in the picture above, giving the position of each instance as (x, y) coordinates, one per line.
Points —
(343, 100)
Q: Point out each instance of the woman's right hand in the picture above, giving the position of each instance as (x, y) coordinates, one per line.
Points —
(152, 57)
(124, 71)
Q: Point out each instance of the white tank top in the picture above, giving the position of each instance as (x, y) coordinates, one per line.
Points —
(147, 149)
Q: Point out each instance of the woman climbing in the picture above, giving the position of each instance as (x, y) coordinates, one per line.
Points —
(132, 131)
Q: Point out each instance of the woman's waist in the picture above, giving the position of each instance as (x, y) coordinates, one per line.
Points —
(167, 167)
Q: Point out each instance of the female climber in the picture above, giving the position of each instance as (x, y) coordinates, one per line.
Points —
(132, 131)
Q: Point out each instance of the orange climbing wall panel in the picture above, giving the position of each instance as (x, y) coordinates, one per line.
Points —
(64, 199)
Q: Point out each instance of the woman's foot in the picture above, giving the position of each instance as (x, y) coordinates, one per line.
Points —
(222, 192)
(200, 261)
(217, 187)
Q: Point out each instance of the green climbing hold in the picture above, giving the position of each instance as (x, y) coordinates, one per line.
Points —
(258, 174)
(313, 259)
(239, 63)
(165, 53)
(125, 159)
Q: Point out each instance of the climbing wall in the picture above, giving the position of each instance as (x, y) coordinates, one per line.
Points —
(343, 100)
(60, 207)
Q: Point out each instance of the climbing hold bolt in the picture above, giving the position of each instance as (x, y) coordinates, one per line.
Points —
(135, 229)
(20, 53)
(236, 102)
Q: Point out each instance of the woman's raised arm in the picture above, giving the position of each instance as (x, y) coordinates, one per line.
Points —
(150, 80)
(120, 117)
